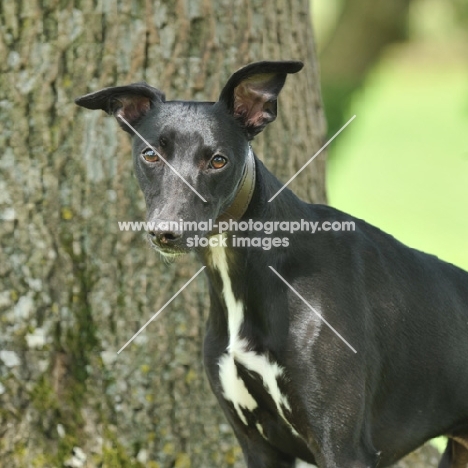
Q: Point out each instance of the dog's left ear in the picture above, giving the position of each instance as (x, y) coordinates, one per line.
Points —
(250, 94)
(132, 102)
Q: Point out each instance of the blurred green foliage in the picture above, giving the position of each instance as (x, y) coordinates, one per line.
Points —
(403, 163)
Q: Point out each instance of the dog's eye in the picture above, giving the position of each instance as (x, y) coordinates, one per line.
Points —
(218, 161)
(150, 155)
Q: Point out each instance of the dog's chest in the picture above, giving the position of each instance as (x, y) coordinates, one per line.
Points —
(235, 388)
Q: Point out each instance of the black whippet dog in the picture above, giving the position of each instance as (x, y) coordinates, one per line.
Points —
(289, 385)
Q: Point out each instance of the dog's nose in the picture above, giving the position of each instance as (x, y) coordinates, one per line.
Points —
(164, 236)
(168, 238)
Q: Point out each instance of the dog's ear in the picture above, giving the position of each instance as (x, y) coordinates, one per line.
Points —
(251, 93)
(131, 102)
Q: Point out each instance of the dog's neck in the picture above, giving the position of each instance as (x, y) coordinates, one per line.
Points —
(256, 187)
(238, 269)
(245, 190)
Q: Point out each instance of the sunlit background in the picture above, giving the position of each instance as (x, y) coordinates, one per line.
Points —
(402, 164)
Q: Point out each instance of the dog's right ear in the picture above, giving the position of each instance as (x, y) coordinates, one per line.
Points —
(131, 102)
(251, 93)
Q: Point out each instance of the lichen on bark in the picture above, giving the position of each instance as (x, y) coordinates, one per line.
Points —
(75, 288)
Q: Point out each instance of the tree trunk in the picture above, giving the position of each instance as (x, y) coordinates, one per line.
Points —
(75, 288)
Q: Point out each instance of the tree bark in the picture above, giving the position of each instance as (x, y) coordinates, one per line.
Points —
(75, 288)
(425, 457)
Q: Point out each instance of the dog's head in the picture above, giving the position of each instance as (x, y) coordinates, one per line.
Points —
(190, 157)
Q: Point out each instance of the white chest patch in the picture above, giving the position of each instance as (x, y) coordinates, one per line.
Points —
(234, 388)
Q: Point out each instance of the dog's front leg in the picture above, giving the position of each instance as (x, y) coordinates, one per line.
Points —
(258, 453)
(343, 452)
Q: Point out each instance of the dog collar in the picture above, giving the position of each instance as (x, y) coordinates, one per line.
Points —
(244, 193)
